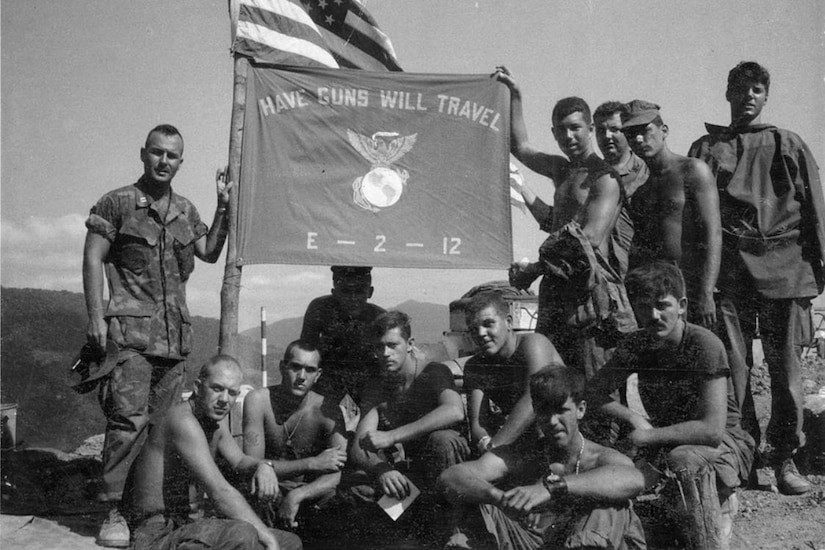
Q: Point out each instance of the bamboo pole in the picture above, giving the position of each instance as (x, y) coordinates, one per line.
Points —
(231, 288)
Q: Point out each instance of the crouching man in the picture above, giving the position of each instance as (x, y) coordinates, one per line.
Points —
(181, 450)
(560, 491)
(408, 433)
(303, 434)
(693, 428)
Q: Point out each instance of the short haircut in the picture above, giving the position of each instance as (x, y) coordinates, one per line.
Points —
(655, 280)
(166, 130)
(390, 320)
(304, 345)
(746, 72)
(552, 385)
(569, 105)
(608, 109)
(483, 300)
(214, 361)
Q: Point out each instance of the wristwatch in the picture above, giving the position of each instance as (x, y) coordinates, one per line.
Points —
(555, 485)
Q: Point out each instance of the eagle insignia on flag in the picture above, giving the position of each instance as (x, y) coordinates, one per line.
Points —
(383, 185)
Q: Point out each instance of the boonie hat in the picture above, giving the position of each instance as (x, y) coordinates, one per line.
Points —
(639, 113)
(90, 365)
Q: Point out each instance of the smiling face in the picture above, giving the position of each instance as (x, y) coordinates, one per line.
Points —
(560, 425)
(161, 157)
(746, 102)
(491, 331)
(661, 317)
(217, 392)
(572, 134)
(609, 137)
(300, 373)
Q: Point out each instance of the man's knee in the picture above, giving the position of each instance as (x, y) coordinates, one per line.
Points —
(447, 446)
(692, 458)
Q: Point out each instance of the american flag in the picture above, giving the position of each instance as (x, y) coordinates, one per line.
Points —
(316, 33)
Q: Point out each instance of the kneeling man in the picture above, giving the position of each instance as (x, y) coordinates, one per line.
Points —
(408, 433)
(302, 434)
(181, 450)
(693, 427)
(561, 491)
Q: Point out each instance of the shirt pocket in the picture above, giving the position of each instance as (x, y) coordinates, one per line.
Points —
(131, 328)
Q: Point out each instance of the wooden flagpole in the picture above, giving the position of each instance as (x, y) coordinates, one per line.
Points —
(231, 288)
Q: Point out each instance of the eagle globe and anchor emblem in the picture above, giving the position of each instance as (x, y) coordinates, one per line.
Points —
(383, 185)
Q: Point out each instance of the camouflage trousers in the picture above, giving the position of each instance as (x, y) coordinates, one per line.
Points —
(139, 390)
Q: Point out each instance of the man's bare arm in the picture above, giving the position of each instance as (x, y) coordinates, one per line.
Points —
(700, 187)
(95, 250)
(472, 482)
(449, 411)
(707, 429)
(189, 441)
(599, 213)
(614, 479)
(208, 248)
(539, 352)
(542, 163)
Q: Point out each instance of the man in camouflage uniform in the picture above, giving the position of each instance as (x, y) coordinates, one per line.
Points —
(146, 238)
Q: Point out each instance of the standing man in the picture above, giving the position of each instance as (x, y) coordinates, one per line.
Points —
(145, 237)
(303, 436)
(582, 303)
(693, 426)
(632, 170)
(181, 450)
(339, 324)
(499, 372)
(408, 433)
(676, 214)
(773, 223)
(558, 491)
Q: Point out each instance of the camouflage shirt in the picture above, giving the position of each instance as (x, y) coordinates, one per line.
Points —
(147, 267)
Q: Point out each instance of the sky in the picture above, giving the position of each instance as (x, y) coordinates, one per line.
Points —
(82, 82)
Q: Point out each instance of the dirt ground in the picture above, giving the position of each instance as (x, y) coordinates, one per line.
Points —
(61, 517)
(768, 520)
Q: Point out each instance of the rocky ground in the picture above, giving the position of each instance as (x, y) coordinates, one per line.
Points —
(47, 504)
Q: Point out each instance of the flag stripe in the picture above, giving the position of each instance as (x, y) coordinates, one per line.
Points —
(274, 31)
(286, 32)
(367, 27)
(347, 53)
(275, 47)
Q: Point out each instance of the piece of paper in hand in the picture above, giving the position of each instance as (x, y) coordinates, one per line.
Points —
(394, 507)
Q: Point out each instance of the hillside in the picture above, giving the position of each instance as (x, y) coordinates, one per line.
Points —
(42, 332)
(429, 321)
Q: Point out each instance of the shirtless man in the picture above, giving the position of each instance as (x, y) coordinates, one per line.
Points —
(676, 214)
(607, 118)
(563, 491)
(414, 405)
(302, 435)
(181, 450)
(587, 200)
(500, 372)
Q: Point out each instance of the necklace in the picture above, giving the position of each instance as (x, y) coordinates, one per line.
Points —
(291, 433)
(578, 456)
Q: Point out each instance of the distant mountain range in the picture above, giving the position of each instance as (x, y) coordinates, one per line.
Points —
(43, 330)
